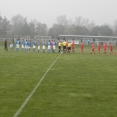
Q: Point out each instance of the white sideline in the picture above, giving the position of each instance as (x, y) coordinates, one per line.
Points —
(28, 98)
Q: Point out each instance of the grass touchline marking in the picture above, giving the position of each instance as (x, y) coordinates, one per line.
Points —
(28, 98)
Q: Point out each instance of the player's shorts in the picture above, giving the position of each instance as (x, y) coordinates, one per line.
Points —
(111, 49)
(38, 47)
(25, 46)
(93, 49)
(64, 47)
(43, 47)
(69, 48)
(22, 46)
(11, 46)
(17, 45)
(54, 47)
(104, 49)
(73, 48)
(59, 47)
(34, 46)
(98, 50)
(48, 46)
(81, 49)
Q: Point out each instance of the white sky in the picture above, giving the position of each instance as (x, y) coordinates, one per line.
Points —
(46, 11)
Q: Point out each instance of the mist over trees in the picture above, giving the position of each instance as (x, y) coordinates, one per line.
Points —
(18, 25)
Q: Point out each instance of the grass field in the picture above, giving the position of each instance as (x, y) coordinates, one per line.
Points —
(77, 85)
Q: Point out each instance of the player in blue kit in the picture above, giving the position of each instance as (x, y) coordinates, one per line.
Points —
(26, 45)
(17, 44)
(38, 46)
(54, 46)
(23, 44)
(49, 45)
(34, 45)
(11, 47)
(43, 46)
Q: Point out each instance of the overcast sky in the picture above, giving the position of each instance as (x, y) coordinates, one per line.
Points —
(46, 11)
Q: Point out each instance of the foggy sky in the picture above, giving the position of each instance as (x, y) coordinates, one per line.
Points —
(46, 11)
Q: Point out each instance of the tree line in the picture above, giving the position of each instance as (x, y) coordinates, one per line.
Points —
(18, 25)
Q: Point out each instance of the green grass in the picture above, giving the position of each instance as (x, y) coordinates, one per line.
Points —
(78, 85)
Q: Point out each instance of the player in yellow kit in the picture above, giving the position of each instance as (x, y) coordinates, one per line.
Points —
(59, 46)
(69, 47)
(64, 46)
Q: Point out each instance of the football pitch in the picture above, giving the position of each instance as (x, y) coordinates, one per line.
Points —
(63, 85)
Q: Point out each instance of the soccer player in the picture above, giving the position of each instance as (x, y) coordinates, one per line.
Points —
(34, 45)
(17, 44)
(73, 46)
(104, 48)
(38, 46)
(98, 48)
(59, 46)
(26, 45)
(11, 46)
(54, 46)
(23, 44)
(43, 46)
(64, 46)
(82, 47)
(92, 48)
(52, 43)
(5, 45)
(111, 49)
(49, 45)
(69, 47)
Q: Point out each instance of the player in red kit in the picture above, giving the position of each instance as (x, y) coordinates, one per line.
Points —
(111, 49)
(99, 48)
(73, 46)
(92, 48)
(82, 47)
(104, 48)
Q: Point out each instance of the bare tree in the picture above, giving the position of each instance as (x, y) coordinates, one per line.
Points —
(91, 25)
(79, 21)
(62, 20)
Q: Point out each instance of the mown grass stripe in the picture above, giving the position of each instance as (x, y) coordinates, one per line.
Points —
(33, 91)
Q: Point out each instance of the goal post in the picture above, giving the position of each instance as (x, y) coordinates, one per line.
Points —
(42, 38)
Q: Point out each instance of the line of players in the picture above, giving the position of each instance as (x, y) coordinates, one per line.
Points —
(104, 48)
(67, 46)
(26, 45)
